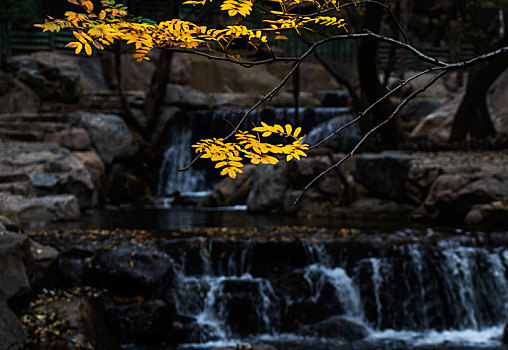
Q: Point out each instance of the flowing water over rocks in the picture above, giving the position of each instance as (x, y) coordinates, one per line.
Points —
(295, 287)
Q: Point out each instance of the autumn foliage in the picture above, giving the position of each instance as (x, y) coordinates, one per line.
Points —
(97, 28)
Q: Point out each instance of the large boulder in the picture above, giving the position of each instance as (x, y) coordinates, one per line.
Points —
(92, 163)
(109, 133)
(14, 281)
(452, 196)
(336, 327)
(437, 125)
(384, 174)
(231, 191)
(268, 188)
(72, 138)
(186, 96)
(12, 334)
(25, 210)
(491, 215)
(16, 96)
(496, 101)
(65, 174)
(51, 75)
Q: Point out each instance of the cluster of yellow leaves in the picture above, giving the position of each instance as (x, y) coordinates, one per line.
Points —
(112, 22)
(230, 156)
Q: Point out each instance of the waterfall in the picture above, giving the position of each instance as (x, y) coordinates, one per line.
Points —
(414, 293)
(190, 127)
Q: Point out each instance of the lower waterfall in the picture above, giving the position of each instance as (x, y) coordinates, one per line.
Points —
(416, 294)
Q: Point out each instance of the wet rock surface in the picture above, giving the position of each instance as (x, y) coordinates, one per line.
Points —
(158, 287)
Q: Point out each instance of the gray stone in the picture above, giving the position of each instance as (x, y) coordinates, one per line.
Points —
(73, 138)
(92, 163)
(384, 174)
(231, 191)
(491, 215)
(12, 334)
(186, 96)
(40, 209)
(437, 125)
(110, 135)
(51, 75)
(268, 188)
(16, 96)
(13, 277)
(452, 196)
(496, 102)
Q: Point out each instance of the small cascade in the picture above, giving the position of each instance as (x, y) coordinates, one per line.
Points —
(412, 292)
(346, 137)
(190, 127)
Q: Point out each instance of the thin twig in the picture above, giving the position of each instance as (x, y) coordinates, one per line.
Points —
(371, 131)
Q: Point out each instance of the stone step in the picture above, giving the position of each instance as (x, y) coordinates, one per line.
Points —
(35, 117)
(16, 135)
(16, 184)
(46, 127)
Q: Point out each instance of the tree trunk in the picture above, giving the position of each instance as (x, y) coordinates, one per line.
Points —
(472, 116)
(371, 87)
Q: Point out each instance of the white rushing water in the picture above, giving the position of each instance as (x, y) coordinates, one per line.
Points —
(460, 289)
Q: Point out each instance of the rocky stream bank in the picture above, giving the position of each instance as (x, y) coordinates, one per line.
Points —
(99, 289)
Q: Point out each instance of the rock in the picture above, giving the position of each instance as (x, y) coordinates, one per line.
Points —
(110, 136)
(243, 307)
(14, 281)
(136, 75)
(336, 327)
(83, 322)
(8, 225)
(24, 210)
(131, 272)
(73, 138)
(249, 347)
(416, 109)
(307, 203)
(496, 102)
(12, 334)
(286, 99)
(92, 163)
(491, 215)
(147, 322)
(231, 191)
(268, 188)
(163, 123)
(66, 174)
(332, 98)
(233, 99)
(51, 75)
(17, 184)
(16, 96)
(381, 209)
(452, 196)
(384, 174)
(123, 186)
(43, 255)
(180, 69)
(186, 96)
(437, 125)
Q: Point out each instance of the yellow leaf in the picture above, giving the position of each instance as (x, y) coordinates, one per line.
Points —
(102, 14)
(88, 49)
(266, 133)
(297, 132)
(289, 129)
(79, 46)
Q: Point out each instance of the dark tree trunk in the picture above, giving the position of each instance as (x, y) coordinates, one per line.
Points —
(473, 115)
(371, 87)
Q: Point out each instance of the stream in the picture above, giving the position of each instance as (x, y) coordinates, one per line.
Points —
(399, 288)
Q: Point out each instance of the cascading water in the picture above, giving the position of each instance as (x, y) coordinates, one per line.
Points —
(415, 295)
(189, 127)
